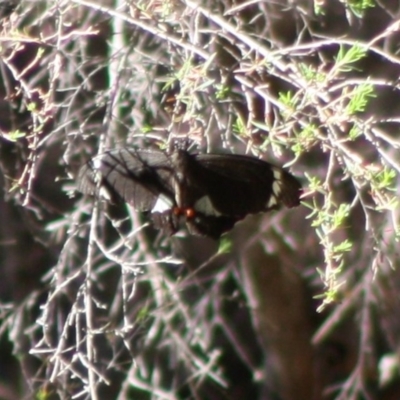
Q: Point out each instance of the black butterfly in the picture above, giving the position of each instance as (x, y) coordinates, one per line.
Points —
(210, 192)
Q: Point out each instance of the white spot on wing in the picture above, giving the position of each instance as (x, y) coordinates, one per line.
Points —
(205, 206)
(163, 203)
(277, 174)
(104, 193)
(276, 188)
(277, 184)
(272, 201)
(97, 163)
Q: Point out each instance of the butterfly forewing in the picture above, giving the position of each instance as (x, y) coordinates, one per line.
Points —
(137, 177)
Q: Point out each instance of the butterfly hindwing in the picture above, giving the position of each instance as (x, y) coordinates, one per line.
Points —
(263, 186)
(234, 185)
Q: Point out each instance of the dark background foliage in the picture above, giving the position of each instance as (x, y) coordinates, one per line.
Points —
(299, 304)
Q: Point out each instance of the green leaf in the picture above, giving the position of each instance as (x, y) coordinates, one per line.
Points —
(358, 7)
(222, 92)
(355, 132)
(343, 247)
(13, 136)
(310, 73)
(345, 58)
(359, 98)
(225, 245)
(239, 127)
